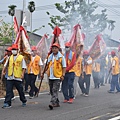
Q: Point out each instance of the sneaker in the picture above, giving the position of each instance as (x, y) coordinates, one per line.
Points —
(6, 105)
(65, 101)
(86, 95)
(13, 99)
(51, 107)
(109, 91)
(70, 100)
(82, 94)
(31, 97)
(24, 104)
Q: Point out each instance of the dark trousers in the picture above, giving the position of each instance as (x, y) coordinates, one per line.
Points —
(26, 81)
(7, 87)
(85, 80)
(96, 79)
(9, 91)
(67, 85)
(114, 83)
(33, 89)
(54, 89)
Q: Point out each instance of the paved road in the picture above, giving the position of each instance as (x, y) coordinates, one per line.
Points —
(100, 105)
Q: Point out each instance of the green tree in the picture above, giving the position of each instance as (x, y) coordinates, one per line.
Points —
(79, 11)
(6, 33)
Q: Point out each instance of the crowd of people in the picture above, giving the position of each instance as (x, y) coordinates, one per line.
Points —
(69, 69)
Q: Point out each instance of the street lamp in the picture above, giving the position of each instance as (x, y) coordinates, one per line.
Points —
(31, 8)
(11, 12)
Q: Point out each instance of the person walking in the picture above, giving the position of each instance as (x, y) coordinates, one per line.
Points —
(78, 69)
(67, 84)
(96, 73)
(85, 76)
(114, 71)
(16, 68)
(56, 67)
(34, 68)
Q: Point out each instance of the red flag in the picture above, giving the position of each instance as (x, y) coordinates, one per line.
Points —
(57, 31)
(16, 29)
(76, 37)
(98, 47)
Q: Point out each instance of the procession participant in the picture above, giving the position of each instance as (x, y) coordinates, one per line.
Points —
(115, 72)
(85, 76)
(102, 69)
(96, 73)
(67, 84)
(4, 77)
(34, 68)
(16, 68)
(78, 69)
(56, 66)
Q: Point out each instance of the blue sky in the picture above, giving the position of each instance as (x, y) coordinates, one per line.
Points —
(40, 18)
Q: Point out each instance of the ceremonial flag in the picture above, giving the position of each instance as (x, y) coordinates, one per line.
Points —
(76, 38)
(98, 47)
(42, 47)
(55, 39)
(16, 29)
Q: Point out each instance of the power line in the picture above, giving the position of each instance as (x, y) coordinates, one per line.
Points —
(109, 9)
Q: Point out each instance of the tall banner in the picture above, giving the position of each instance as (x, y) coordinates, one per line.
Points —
(16, 29)
(42, 47)
(98, 47)
(76, 38)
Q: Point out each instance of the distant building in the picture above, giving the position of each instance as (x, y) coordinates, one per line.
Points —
(35, 38)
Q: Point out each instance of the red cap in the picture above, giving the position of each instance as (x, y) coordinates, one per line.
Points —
(112, 52)
(33, 48)
(67, 44)
(85, 52)
(15, 46)
(9, 49)
(56, 45)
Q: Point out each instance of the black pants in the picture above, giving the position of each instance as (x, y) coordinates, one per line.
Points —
(26, 81)
(33, 88)
(96, 79)
(9, 91)
(85, 80)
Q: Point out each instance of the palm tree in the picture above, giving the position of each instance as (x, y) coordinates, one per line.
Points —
(11, 12)
(31, 8)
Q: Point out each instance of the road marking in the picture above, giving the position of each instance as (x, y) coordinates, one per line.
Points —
(115, 118)
(27, 95)
(115, 114)
(94, 118)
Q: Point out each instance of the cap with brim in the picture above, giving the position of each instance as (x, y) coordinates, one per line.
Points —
(56, 45)
(67, 44)
(15, 46)
(9, 49)
(112, 52)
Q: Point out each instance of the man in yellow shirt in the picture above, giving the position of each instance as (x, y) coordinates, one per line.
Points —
(114, 71)
(87, 71)
(34, 68)
(56, 66)
(16, 68)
